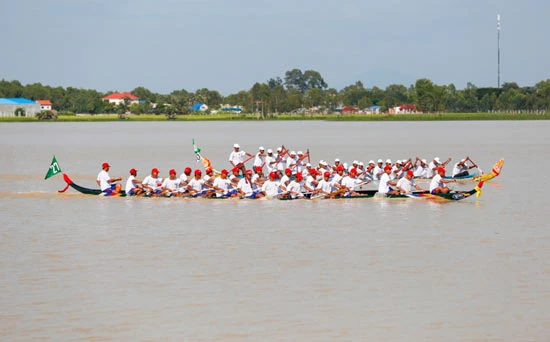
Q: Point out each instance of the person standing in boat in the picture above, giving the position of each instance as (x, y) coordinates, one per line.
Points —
(152, 183)
(406, 184)
(438, 185)
(237, 157)
(107, 184)
(385, 182)
(133, 185)
(259, 160)
(270, 161)
(461, 169)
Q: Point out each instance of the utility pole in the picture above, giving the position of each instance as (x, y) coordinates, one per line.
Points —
(498, 51)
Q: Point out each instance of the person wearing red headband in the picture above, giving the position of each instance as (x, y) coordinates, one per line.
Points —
(246, 187)
(385, 182)
(171, 186)
(106, 183)
(438, 185)
(406, 184)
(133, 185)
(152, 183)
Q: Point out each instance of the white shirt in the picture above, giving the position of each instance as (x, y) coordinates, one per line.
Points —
(459, 168)
(291, 162)
(377, 169)
(268, 160)
(384, 187)
(430, 171)
(196, 184)
(130, 183)
(171, 184)
(282, 164)
(436, 182)
(259, 160)
(294, 186)
(325, 185)
(153, 183)
(406, 184)
(270, 188)
(245, 186)
(103, 178)
(224, 184)
(184, 177)
(237, 157)
(350, 182)
(421, 171)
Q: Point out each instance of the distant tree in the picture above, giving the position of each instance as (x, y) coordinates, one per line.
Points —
(314, 80)
(294, 79)
(19, 112)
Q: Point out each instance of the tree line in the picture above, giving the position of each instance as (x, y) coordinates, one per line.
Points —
(298, 91)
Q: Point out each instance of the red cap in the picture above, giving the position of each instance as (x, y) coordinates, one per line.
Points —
(198, 172)
(387, 167)
(187, 170)
(235, 169)
(249, 172)
(353, 170)
(287, 170)
(410, 173)
(272, 175)
(258, 168)
(224, 172)
(104, 165)
(208, 170)
(312, 171)
(299, 175)
(155, 170)
(440, 170)
(133, 171)
(172, 172)
(340, 168)
(327, 174)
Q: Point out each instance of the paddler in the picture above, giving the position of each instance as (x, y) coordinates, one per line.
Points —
(106, 183)
(171, 185)
(152, 183)
(406, 184)
(438, 184)
(385, 182)
(133, 185)
(237, 157)
(461, 169)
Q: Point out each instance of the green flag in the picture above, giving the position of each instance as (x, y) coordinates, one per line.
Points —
(54, 169)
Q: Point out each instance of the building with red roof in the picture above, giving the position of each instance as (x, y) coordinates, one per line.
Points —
(45, 104)
(118, 98)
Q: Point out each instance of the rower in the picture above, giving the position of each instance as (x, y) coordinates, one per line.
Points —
(186, 175)
(461, 169)
(106, 183)
(259, 160)
(235, 176)
(270, 161)
(378, 170)
(325, 185)
(271, 188)
(237, 157)
(406, 184)
(291, 160)
(152, 183)
(438, 184)
(246, 188)
(223, 185)
(133, 185)
(420, 168)
(385, 182)
(171, 185)
(197, 186)
(349, 183)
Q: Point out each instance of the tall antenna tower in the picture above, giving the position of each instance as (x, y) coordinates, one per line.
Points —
(498, 51)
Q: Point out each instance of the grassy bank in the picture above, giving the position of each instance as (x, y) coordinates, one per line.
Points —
(282, 117)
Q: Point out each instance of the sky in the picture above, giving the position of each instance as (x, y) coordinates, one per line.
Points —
(228, 45)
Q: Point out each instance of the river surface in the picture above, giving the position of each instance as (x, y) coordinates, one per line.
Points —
(80, 267)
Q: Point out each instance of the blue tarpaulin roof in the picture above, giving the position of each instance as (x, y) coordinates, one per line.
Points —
(196, 106)
(16, 101)
(374, 107)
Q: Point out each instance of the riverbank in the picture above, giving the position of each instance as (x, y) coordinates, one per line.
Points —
(293, 117)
